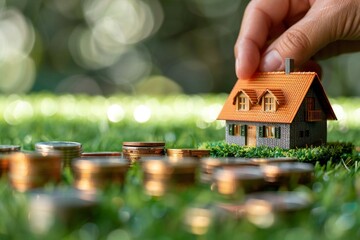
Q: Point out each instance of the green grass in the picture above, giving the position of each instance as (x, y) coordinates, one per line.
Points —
(181, 121)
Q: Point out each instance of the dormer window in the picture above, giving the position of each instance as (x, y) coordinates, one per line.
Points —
(271, 99)
(242, 103)
(244, 99)
(269, 103)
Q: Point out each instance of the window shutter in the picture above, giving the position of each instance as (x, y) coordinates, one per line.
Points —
(261, 131)
(277, 132)
(243, 130)
(231, 129)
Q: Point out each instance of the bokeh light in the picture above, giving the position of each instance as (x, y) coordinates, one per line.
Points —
(142, 113)
(115, 113)
(16, 41)
(17, 111)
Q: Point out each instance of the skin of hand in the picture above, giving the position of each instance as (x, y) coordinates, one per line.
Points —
(272, 30)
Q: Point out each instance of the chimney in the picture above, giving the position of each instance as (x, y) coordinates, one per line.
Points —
(289, 65)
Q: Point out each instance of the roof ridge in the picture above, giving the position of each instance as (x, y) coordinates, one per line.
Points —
(282, 72)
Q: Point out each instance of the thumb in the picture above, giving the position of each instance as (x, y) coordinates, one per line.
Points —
(300, 42)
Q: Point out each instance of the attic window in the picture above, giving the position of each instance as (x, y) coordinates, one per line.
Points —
(269, 104)
(242, 103)
(270, 99)
(244, 98)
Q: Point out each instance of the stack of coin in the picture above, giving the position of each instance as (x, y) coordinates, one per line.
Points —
(262, 161)
(159, 174)
(60, 208)
(245, 179)
(288, 174)
(156, 176)
(180, 153)
(135, 150)
(265, 208)
(34, 170)
(69, 150)
(5, 150)
(209, 164)
(184, 171)
(4, 165)
(101, 154)
(91, 173)
(198, 220)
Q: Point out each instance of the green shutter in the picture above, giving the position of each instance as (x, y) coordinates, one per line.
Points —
(231, 129)
(261, 131)
(277, 132)
(243, 130)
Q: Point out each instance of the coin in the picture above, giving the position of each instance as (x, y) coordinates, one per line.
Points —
(34, 170)
(199, 153)
(288, 174)
(4, 165)
(101, 154)
(273, 160)
(91, 173)
(245, 179)
(266, 208)
(68, 207)
(209, 164)
(198, 220)
(69, 150)
(136, 150)
(144, 144)
(163, 173)
(9, 148)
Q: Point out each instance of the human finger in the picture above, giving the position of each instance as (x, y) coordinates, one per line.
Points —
(259, 18)
(305, 38)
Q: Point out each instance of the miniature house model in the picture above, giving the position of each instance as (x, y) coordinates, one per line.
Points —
(283, 109)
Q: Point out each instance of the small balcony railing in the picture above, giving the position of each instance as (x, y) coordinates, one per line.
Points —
(313, 115)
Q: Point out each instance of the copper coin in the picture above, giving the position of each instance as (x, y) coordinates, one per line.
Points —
(246, 179)
(68, 207)
(288, 173)
(278, 201)
(208, 164)
(91, 173)
(188, 153)
(144, 144)
(30, 170)
(101, 154)
(273, 160)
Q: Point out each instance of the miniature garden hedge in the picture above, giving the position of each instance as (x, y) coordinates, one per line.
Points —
(333, 152)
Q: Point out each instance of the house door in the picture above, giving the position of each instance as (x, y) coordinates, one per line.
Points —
(251, 136)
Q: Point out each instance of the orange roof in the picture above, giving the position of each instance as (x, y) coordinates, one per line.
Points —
(289, 91)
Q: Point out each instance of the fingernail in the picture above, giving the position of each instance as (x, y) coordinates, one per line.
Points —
(272, 61)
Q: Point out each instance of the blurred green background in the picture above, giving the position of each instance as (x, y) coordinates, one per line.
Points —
(131, 46)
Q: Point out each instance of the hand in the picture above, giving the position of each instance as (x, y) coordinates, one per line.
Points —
(272, 30)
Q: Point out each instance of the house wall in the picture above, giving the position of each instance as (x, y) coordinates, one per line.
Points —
(317, 130)
(283, 141)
